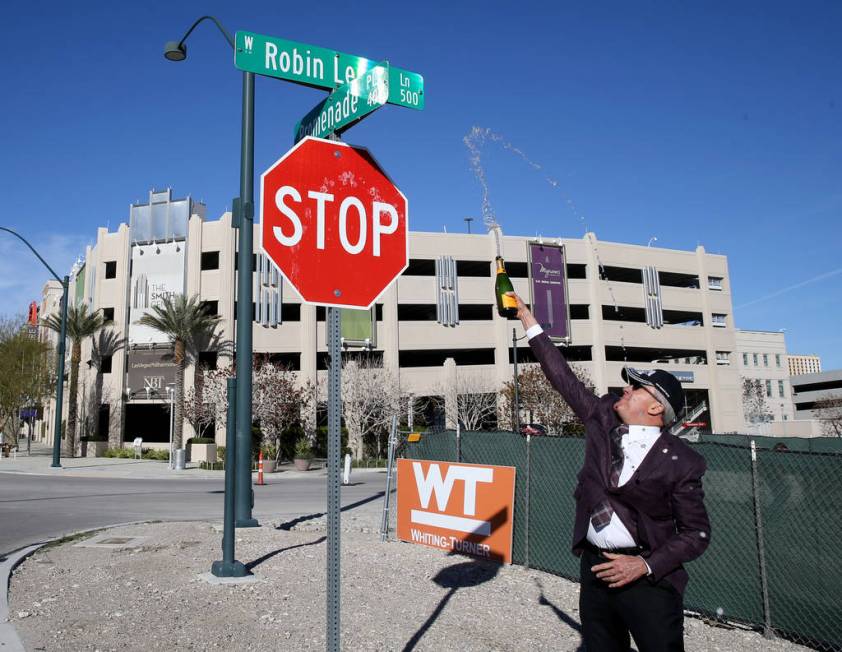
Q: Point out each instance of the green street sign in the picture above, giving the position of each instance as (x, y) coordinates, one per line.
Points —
(346, 105)
(319, 67)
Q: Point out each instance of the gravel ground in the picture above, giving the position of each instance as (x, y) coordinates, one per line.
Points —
(395, 596)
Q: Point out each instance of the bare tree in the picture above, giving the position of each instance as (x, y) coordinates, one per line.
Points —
(539, 402)
(215, 394)
(370, 398)
(829, 410)
(755, 407)
(277, 401)
(474, 405)
(199, 414)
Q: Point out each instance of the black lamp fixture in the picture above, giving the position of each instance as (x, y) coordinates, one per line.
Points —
(175, 51)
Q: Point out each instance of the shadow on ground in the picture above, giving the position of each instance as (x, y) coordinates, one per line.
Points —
(464, 574)
(309, 517)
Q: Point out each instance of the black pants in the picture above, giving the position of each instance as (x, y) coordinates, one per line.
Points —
(652, 613)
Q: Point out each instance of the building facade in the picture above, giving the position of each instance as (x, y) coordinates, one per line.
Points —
(804, 364)
(818, 396)
(761, 355)
(641, 306)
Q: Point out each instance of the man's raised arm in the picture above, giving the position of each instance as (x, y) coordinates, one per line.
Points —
(581, 400)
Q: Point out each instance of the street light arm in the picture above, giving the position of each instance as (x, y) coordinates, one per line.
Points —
(216, 22)
(22, 239)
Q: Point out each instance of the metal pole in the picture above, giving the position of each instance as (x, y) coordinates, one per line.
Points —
(516, 419)
(528, 476)
(65, 283)
(62, 346)
(333, 499)
(170, 393)
(768, 632)
(393, 441)
(229, 567)
(245, 493)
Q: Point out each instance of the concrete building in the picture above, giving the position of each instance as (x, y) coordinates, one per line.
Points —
(761, 355)
(804, 364)
(810, 389)
(629, 304)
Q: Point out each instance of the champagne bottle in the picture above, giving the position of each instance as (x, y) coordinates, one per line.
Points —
(506, 305)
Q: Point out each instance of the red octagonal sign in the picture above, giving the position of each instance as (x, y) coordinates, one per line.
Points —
(333, 223)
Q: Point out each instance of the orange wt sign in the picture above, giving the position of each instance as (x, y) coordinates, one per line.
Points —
(464, 508)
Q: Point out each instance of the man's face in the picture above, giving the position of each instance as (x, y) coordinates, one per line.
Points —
(638, 407)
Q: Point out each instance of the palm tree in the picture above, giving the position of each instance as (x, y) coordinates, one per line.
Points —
(191, 330)
(80, 324)
(104, 345)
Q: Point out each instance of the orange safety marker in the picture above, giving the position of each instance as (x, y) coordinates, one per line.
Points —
(260, 468)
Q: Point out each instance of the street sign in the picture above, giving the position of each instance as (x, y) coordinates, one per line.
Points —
(319, 67)
(333, 223)
(346, 105)
(461, 508)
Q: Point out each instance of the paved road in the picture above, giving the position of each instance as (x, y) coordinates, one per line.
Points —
(35, 508)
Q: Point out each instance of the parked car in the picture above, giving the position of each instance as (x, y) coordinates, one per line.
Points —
(532, 429)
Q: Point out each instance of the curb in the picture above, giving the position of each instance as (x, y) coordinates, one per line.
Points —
(9, 639)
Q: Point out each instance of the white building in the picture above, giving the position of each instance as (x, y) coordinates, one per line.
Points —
(629, 304)
(761, 355)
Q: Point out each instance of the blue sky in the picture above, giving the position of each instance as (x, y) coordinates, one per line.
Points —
(719, 124)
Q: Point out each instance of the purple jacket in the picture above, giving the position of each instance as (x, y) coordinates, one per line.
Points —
(662, 504)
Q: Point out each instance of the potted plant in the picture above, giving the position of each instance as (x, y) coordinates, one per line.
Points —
(303, 455)
(270, 454)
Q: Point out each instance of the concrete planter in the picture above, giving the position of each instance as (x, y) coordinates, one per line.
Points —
(96, 448)
(268, 466)
(203, 453)
(302, 463)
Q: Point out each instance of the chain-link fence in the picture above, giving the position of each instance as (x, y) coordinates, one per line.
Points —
(776, 517)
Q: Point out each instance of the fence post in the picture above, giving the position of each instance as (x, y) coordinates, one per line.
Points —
(768, 632)
(528, 475)
(458, 442)
(393, 442)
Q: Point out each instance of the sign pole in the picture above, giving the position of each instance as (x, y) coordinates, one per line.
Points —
(245, 494)
(62, 344)
(229, 566)
(334, 414)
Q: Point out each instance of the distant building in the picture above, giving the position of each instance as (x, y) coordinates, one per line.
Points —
(761, 355)
(804, 364)
(628, 304)
(810, 390)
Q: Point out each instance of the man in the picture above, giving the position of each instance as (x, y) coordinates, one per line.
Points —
(640, 511)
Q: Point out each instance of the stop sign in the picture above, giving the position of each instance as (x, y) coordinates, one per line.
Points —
(333, 223)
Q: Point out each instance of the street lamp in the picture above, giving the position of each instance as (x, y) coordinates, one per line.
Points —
(171, 398)
(654, 238)
(243, 211)
(65, 284)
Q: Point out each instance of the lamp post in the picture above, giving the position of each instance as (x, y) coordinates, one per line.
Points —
(65, 284)
(171, 398)
(244, 220)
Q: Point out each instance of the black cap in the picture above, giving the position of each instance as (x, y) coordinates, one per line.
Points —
(667, 388)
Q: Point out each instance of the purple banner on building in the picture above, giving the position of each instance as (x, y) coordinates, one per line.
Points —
(548, 289)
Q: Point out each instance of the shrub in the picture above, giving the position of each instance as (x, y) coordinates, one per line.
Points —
(212, 466)
(153, 454)
(303, 450)
(202, 440)
(122, 453)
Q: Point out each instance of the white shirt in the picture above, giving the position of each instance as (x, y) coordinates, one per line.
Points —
(636, 444)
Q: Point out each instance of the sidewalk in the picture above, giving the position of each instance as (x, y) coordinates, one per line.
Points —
(138, 587)
(38, 463)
